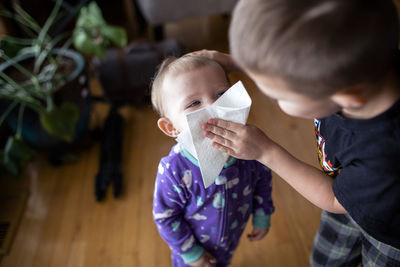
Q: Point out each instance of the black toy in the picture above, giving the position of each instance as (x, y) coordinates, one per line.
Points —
(125, 76)
(110, 155)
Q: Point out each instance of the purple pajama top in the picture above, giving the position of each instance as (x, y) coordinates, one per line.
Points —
(191, 218)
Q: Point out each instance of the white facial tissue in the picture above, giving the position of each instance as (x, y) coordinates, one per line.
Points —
(233, 105)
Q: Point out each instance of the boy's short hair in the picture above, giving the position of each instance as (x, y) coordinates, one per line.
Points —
(174, 66)
(317, 47)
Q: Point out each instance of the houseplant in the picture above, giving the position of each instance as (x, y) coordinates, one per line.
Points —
(41, 87)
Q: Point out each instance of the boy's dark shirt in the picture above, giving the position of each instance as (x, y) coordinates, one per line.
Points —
(364, 158)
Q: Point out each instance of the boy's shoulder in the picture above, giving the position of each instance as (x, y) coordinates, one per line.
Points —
(372, 142)
(384, 125)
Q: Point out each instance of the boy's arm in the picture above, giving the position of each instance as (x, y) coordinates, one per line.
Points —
(168, 211)
(249, 142)
(309, 181)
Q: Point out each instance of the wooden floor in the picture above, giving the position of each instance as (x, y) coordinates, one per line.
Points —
(63, 225)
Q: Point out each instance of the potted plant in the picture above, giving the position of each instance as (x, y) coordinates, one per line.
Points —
(41, 88)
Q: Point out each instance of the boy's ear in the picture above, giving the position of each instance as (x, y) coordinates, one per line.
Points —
(167, 127)
(350, 98)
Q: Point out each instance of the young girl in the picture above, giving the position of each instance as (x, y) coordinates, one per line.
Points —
(201, 225)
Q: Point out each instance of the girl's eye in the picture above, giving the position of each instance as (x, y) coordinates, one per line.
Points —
(193, 104)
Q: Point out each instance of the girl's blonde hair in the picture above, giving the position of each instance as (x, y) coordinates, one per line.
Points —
(174, 66)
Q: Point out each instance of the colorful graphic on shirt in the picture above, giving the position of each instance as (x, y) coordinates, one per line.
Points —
(259, 199)
(177, 189)
(247, 190)
(219, 201)
(243, 209)
(234, 224)
(175, 225)
(160, 169)
(325, 163)
(188, 243)
(187, 178)
(177, 148)
(228, 184)
(232, 183)
(220, 180)
(165, 214)
(199, 201)
(204, 238)
(198, 217)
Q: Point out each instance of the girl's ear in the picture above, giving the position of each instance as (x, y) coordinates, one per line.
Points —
(167, 127)
(350, 98)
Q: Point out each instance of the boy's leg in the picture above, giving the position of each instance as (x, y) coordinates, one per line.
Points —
(376, 253)
(337, 243)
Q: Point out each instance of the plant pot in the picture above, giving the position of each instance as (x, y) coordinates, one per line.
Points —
(75, 91)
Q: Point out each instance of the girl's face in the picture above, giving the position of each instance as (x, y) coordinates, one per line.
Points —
(186, 92)
(291, 102)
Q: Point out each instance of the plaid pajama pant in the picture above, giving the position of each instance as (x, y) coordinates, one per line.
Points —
(341, 242)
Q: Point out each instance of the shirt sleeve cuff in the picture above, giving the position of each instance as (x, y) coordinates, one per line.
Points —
(261, 221)
(193, 254)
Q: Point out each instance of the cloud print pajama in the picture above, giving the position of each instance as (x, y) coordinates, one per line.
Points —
(192, 219)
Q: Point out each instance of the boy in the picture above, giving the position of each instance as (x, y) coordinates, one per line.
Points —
(201, 225)
(334, 60)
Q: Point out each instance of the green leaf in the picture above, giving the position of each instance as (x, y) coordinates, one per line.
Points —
(83, 42)
(43, 34)
(25, 19)
(11, 166)
(16, 153)
(92, 34)
(21, 97)
(47, 73)
(90, 16)
(94, 15)
(9, 46)
(99, 51)
(86, 44)
(116, 35)
(95, 11)
(61, 121)
(17, 149)
(7, 111)
(29, 50)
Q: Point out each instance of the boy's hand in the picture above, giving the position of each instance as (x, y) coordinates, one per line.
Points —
(240, 141)
(205, 260)
(257, 234)
(225, 60)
